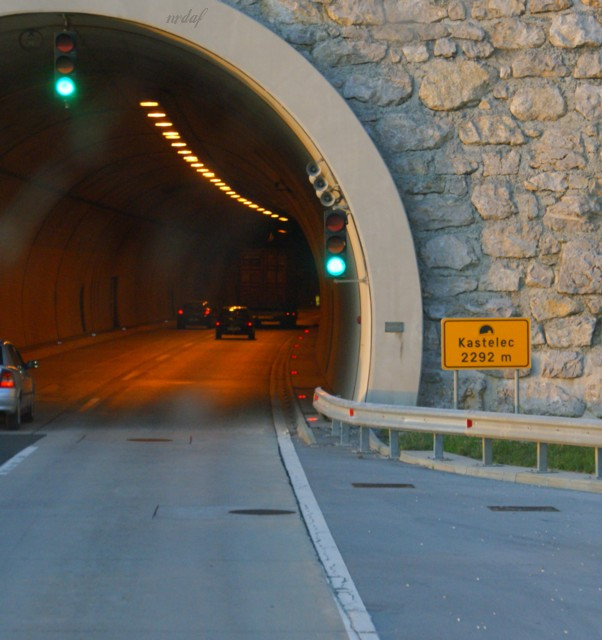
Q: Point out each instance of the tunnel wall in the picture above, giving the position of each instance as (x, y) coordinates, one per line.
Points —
(73, 268)
(489, 117)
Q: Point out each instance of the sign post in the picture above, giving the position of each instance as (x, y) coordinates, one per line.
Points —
(484, 343)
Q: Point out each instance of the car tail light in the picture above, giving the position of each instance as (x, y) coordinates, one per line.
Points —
(7, 380)
(249, 324)
(218, 323)
(180, 312)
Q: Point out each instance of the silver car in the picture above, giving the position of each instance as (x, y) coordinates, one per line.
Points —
(17, 386)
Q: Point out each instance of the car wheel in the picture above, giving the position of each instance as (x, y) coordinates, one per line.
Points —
(28, 416)
(13, 420)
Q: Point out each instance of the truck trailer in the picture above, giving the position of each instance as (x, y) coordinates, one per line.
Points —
(268, 286)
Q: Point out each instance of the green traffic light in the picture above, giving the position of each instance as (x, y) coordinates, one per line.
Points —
(65, 87)
(335, 266)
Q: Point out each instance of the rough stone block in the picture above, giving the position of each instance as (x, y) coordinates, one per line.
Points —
(562, 364)
(546, 305)
(448, 251)
(452, 85)
(538, 103)
(542, 397)
(491, 129)
(574, 331)
(581, 267)
(575, 30)
(493, 200)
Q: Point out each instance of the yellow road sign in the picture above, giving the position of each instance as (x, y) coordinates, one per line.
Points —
(485, 343)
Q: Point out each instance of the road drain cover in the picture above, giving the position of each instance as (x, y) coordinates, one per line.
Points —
(503, 508)
(262, 512)
(149, 440)
(381, 485)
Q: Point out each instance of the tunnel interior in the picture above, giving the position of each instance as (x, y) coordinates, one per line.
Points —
(103, 224)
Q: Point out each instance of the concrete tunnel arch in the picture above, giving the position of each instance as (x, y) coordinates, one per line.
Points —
(381, 360)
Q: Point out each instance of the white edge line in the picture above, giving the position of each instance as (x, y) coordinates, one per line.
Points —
(11, 463)
(355, 617)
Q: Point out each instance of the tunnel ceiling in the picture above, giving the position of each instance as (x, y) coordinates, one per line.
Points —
(104, 151)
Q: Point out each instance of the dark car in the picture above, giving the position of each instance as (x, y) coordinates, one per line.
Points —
(195, 313)
(235, 321)
(17, 386)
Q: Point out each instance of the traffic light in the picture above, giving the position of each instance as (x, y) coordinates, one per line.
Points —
(65, 54)
(335, 242)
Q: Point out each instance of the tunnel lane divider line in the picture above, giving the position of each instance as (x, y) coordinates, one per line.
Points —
(88, 405)
(131, 375)
(355, 617)
(163, 357)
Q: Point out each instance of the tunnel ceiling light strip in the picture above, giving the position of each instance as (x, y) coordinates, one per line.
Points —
(199, 167)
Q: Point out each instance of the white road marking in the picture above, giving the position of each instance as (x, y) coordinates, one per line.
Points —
(10, 464)
(89, 404)
(355, 616)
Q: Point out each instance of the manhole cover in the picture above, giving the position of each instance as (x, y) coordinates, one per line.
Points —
(382, 485)
(510, 508)
(149, 440)
(262, 512)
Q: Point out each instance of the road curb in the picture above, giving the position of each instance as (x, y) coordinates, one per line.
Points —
(461, 465)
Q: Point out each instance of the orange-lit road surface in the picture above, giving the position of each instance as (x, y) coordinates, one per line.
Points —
(157, 506)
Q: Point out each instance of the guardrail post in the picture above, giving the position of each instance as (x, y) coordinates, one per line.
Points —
(487, 452)
(335, 429)
(344, 433)
(364, 439)
(438, 446)
(542, 457)
(393, 444)
(598, 453)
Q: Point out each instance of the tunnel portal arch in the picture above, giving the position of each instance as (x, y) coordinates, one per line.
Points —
(384, 297)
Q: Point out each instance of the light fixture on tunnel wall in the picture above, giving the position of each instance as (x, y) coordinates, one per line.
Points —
(65, 58)
(326, 193)
(160, 119)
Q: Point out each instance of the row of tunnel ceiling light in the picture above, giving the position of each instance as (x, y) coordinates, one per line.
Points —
(161, 120)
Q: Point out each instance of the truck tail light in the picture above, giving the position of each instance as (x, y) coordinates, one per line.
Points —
(7, 380)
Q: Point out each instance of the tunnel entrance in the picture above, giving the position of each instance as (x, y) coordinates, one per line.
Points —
(94, 196)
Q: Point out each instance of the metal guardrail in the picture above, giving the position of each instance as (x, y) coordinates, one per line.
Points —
(488, 425)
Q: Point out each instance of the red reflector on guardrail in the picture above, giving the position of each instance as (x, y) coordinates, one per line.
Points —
(468, 423)
(351, 412)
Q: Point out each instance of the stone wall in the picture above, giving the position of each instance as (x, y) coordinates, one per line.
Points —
(489, 114)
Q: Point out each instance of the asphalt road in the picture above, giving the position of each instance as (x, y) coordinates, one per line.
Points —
(156, 505)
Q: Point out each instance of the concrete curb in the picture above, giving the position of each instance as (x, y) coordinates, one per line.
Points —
(453, 463)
